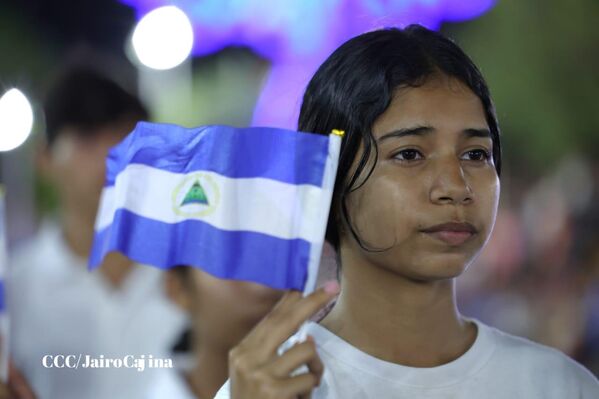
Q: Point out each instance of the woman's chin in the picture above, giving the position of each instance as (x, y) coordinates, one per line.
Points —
(438, 268)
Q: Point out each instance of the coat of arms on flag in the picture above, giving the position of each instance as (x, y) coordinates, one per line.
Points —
(247, 204)
(196, 195)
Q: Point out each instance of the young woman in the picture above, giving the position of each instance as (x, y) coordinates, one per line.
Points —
(414, 203)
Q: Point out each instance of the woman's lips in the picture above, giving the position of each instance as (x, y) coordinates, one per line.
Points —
(451, 237)
(452, 233)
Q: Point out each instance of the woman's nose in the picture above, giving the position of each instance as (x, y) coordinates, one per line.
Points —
(450, 185)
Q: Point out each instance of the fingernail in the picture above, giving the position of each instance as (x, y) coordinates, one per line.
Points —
(331, 287)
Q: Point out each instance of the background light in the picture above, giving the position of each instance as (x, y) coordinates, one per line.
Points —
(296, 36)
(163, 38)
(16, 119)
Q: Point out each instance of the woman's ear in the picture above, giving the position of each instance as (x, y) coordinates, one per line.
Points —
(176, 289)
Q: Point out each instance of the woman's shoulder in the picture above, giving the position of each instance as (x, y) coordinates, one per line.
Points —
(522, 353)
(510, 344)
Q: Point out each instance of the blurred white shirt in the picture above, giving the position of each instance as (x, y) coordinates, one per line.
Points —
(58, 307)
(170, 384)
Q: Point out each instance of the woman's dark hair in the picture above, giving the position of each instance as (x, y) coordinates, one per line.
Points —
(355, 85)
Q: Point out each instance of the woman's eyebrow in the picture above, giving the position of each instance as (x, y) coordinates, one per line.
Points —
(408, 131)
(483, 133)
(424, 130)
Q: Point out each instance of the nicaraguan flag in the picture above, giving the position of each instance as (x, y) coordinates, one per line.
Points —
(246, 204)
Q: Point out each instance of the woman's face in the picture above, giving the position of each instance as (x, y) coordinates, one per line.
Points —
(431, 201)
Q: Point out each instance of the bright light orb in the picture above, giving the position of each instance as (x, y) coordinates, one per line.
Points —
(16, 119)
(163, 38)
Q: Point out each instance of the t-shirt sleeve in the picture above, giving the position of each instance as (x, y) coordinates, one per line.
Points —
(566, 378)
(586, 383)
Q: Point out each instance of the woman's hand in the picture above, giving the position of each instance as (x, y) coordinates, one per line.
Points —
(17, 386)
(255, 368)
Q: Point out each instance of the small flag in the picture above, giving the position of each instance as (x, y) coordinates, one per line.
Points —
(246, 204)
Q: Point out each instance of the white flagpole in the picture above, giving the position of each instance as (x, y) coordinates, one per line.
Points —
(328, 185)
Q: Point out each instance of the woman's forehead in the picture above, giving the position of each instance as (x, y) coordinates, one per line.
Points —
(442, 103)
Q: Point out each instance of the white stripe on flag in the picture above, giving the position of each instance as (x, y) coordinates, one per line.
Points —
(250, 204)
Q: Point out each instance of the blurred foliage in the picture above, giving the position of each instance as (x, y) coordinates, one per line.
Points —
(46, 197)
(26, 56)
(541, 60)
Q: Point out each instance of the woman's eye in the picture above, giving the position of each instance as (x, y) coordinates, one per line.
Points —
(477, 155)
(408, 155)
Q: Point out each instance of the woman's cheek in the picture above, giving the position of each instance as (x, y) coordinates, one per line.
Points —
(488, 200)
(494, 200)
(377, 210)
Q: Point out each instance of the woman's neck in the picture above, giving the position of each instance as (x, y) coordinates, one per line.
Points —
(392, 318)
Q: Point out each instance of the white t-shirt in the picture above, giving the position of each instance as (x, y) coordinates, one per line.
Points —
(58, 307)
(497, 366)
(170, 384)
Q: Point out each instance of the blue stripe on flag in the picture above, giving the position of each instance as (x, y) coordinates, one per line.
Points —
(239, 255)
(279, 154)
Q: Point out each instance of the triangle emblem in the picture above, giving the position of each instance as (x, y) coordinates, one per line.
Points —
(195, 195)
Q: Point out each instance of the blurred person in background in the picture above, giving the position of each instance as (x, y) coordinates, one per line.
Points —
(58, 307)
(214, 329)
(16, 387)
